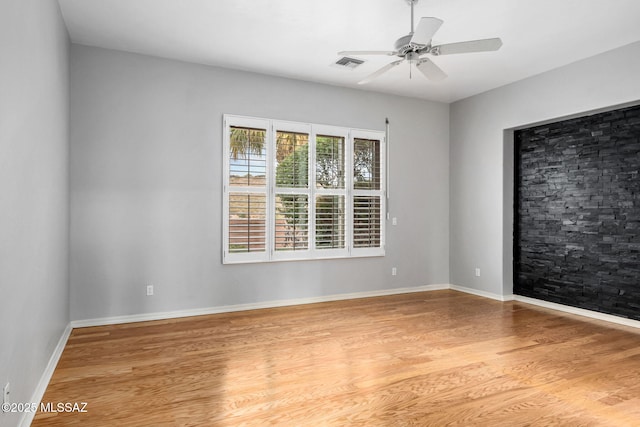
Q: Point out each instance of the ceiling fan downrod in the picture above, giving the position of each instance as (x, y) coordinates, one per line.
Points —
(412, 3)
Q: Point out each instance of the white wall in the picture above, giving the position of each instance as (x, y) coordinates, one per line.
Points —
(146, 161)
(34, 233)
(482, 163)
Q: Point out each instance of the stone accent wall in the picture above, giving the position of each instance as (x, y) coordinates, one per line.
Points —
(577, 212)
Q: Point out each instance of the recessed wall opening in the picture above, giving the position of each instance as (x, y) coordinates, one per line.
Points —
(574, 235)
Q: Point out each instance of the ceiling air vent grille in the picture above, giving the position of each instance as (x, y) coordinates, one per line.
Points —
(348, 62)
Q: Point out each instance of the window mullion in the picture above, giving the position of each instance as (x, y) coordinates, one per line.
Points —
(312, 193)
(349, 192)
(271, 189)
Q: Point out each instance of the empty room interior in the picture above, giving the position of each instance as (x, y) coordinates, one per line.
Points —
(366, 212)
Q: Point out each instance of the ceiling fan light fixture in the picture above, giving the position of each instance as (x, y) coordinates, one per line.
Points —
(412, 57)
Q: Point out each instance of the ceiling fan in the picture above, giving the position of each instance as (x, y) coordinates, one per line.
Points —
(414, 46)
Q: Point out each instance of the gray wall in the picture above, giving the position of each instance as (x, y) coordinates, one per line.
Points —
(481, 154)
(146, 161)
(34, 204)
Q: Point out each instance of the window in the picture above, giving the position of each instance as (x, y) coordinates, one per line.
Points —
(301, 191)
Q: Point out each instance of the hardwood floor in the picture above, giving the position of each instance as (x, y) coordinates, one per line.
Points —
(433, 358)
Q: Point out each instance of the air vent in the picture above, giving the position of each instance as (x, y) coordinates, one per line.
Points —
(348, 62)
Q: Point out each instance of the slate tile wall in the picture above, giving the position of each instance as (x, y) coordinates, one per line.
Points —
(577, 212)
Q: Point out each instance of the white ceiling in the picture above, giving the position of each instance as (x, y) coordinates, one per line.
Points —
(300, 38)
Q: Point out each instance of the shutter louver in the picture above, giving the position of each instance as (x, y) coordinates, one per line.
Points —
(247, 222)
(292, 222)
(247, 157)
(329, 162)
(366, 221)
(292, 159)
(366, 164)
(330, 222)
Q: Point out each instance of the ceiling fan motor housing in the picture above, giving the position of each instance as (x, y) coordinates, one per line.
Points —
(404, 46)
(403, 43)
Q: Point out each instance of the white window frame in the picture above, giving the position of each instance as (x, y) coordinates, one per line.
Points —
(270, 190)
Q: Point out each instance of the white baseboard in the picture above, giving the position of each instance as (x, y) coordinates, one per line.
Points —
(253, 306)
(27, 418)
(479, 293)
(579, 311)
(337, 297)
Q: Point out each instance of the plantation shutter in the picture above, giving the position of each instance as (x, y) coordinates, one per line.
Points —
(368, 193)
(246, 210)
(301, 191)
(331, 157)
(292, 191)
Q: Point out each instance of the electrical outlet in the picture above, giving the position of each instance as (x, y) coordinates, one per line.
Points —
(394, 271)
(477, 272)
(149, 290)
(394, 221)
(5, 393)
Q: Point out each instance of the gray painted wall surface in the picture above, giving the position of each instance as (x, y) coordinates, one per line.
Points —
(146, 180)
(481, 198)
(34, 204)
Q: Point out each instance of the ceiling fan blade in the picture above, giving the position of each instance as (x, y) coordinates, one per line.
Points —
(431, 70)
(378, 73)
(423, 34)
(485, 45)
(366, 52)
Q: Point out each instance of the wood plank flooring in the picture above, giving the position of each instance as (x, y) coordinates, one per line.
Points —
(429, 359)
